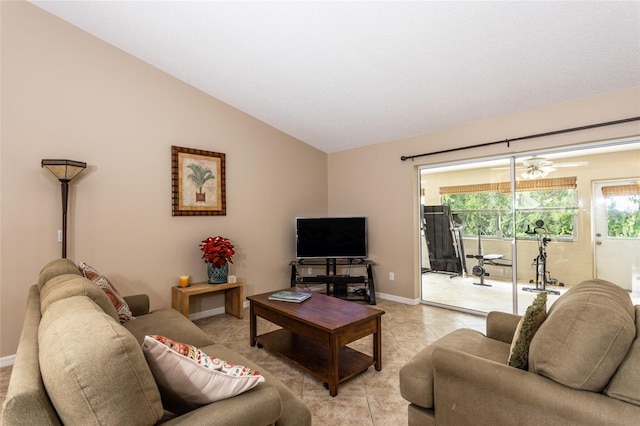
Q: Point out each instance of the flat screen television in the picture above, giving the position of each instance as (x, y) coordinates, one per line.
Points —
(328, 237)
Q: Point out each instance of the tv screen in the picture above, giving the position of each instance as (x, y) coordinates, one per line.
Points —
(326, 237)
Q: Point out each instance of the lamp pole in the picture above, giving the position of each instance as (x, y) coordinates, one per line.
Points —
(64, 184)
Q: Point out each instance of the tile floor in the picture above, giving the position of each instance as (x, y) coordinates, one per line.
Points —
(460, 292)
(372, 398)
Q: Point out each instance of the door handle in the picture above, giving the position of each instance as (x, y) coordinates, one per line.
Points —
(598, 243)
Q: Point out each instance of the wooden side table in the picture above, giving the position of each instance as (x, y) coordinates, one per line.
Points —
(233, 297)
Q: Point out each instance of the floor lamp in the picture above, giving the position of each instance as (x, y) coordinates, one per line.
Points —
(64, 170)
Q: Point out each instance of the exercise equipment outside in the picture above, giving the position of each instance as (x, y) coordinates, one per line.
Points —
(479, 270)
(543, 277)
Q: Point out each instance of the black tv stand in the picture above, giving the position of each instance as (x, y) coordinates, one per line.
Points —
(345, 286)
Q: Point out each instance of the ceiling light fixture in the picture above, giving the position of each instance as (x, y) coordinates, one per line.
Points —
(534, 173)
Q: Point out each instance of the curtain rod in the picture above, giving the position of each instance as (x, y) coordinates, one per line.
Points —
(508, 141)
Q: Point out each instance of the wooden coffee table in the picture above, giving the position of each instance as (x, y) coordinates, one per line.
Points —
(315, 333)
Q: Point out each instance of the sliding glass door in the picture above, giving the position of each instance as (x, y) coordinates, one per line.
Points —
(469, 206)
(496, 232)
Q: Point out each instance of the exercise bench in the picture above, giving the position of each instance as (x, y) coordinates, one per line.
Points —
(479, 270)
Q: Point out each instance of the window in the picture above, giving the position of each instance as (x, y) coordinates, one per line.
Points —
(623, 210)
(486, 208)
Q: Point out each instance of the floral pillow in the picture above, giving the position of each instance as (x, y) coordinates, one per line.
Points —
(124, 312)
(185, 372)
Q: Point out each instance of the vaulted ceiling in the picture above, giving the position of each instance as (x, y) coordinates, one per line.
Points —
(344, 74)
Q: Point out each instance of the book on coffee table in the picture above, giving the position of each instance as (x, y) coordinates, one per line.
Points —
(290, 296)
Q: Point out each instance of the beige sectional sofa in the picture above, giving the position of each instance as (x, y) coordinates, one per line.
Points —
(77, 364)
(583, 368)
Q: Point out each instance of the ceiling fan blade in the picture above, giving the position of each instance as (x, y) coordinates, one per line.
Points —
(536, 162)
(573, 164)
(541, 163)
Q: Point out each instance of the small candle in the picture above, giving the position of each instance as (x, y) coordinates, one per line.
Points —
(184, 280)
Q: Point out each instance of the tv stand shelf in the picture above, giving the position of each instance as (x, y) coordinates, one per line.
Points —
(342, 285)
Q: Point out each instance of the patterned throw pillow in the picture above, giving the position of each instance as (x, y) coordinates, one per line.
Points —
(527, 327)
(184, 372)
(124, 313)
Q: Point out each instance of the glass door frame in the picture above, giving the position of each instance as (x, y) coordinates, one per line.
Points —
(578, 150)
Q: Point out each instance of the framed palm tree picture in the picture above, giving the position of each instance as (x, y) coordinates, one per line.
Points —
(198, 182)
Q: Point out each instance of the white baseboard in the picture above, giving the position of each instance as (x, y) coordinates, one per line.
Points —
(393, 298)
(7, 361)
(212, 312)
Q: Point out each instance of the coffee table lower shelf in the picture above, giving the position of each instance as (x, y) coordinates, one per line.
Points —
(313, 356)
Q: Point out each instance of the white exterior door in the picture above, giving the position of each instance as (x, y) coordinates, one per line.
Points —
(617, 258)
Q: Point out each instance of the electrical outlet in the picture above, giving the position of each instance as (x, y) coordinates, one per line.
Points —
(392, 276)
(59, 235)
(308, 271)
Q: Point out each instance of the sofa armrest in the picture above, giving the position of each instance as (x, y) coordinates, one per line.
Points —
(26, 400)
(502, 326)
(138, 303)
(259, 406)
(473, 390)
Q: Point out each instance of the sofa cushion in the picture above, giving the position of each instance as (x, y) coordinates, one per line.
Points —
(93, 369)
(527, 327)
(416, 376)
(625, 384)
(124, 313)
(68, 285)
(587, 333)
(259, 406)
(170, 323)
(184, 372)
(55, 268)
(294, 411)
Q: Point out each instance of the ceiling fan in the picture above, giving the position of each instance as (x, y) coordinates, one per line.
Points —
(538, 167)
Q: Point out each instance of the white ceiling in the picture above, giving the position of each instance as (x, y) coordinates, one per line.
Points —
(344, 74)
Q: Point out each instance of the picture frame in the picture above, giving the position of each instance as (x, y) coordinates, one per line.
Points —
(198, 182)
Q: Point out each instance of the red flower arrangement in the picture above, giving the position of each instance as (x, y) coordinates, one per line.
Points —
(217, 251)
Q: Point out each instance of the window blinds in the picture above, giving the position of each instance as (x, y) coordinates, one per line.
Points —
(521, 185)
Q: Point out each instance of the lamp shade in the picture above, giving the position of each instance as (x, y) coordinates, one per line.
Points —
(65, 170)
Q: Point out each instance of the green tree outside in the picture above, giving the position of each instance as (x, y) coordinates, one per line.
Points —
(623, 216)
(491, 213)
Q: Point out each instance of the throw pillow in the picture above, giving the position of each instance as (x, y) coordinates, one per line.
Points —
(124, 313)
(183, 372)
(186, 373)
(527, 327)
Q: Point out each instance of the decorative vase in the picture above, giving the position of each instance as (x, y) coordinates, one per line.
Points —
(218, 275)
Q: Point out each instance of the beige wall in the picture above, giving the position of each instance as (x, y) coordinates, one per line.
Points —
(66, 94)
(374, 182)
